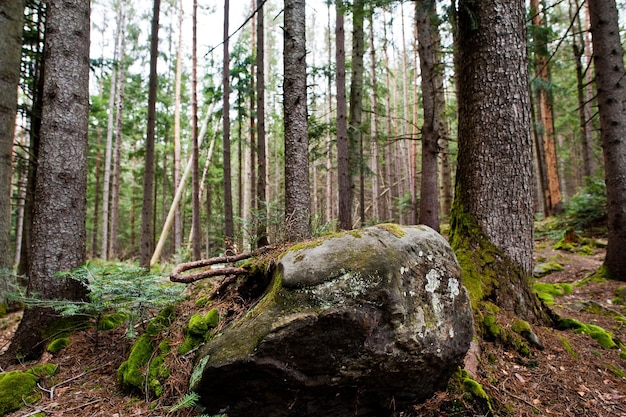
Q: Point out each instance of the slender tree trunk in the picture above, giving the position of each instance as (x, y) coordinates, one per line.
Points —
(117, 154)
(553, 204)
(297, 191)
(390, 166)
(584, 101)
(425, 12)
(608, 59)
(34, 139)
(229, 226)
(177, 228)
(195, 226)
(343, 167)
(11, 23)
(375, 160)
(59, 233)
(261, 204)
(355, 128)
(146, 244)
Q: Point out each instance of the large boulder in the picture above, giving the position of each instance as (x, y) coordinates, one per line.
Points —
(359, 323)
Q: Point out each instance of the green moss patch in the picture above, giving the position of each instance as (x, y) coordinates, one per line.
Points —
(547, 292)
(197, 330)
(145, 364)
(112, 321)
(597, 333)
(58, 344)
(568, 347)
(392, 228)
(18, 388)
(546, 268)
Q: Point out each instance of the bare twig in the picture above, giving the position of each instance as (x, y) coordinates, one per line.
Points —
(177, 273)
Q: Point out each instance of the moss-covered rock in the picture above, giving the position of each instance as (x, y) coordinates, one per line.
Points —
(18, 388)
(197, 331)
(546, 268)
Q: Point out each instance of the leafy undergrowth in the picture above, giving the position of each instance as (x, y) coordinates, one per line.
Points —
(572, 376)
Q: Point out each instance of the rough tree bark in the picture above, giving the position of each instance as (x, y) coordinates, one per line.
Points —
(297, 192)
(261, 154)
(59, 234)
(608, 59)
(492, 217)
(344, 211)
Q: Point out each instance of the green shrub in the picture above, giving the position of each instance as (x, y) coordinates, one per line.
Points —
(587, 207)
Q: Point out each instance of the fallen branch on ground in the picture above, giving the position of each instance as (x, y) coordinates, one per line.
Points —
(178, 276)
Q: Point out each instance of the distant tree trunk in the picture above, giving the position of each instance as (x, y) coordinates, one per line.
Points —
(37, 48)
(59, 233)
(343, 168)
(297, 192)
(229, 224)
(355, 130)
(545, 114)
(261, 203)
(328, 194)
(492, 217)
(117, 155)
(584, 101)
(252, 159)
(195, 226)
(177, 228)
(11, 24)
(425, 12)
(389, 157)
(145, 249)
(375, 160)
(608, 59)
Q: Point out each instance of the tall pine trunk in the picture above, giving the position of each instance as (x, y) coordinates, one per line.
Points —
(195, 194)
(344, 211)
(261, 204)
(229, 225)
(145, 249)
(608, 59)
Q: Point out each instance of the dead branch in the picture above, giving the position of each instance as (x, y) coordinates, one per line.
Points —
(177, 273)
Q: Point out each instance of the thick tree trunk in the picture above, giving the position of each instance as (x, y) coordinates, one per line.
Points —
(429, 206)
(297, 192)
(11, 23)
(59, 233)
(492, 217)
(608, 59)
(145, 249)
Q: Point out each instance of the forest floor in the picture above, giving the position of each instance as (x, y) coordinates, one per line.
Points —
(572, 376)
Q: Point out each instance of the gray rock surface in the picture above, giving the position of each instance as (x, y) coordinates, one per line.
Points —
(360, 323)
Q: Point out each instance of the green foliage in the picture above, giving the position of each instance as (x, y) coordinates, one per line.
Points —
(587, 207)
(118, 293)
(189, 400)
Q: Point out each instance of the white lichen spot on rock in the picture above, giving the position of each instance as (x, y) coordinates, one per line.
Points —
(451, 333)
(433, 281)
(421, 253)
(403, 270)
(453, 287)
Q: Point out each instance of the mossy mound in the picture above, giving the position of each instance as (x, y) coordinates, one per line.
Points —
(197, 330)
(547, 292)
(111, 321)
(546, 268)
(597, 333)
(58, 344)
(145, 364)
(18, 388)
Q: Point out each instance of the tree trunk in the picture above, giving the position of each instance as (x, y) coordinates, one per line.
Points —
(11, 23)
(59, 235)
(35, 130)
(117, 155)
(297, 192)
(229, 225)
(177, 231)
(261, 203)
(355, 130)
(145, 249)
(195, 226)
(492, 217)
(545, 114)
(375, 160)
(608, 59)
(425, 12)
(343, 168)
